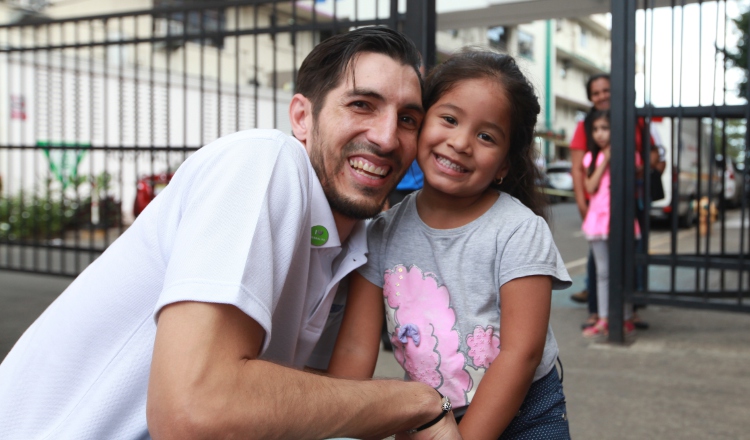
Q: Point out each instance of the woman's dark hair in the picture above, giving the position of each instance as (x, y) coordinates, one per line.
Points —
(324, 68)
(588, 125)
(473, 63)
(591, 80)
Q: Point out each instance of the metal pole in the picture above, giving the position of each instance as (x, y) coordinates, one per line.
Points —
(622, 166)
(420, 27)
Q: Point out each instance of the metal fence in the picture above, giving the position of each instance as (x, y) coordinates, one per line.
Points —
(671, 67)
(103, 109)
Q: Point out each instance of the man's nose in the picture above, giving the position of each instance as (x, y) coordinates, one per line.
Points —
(384, 133)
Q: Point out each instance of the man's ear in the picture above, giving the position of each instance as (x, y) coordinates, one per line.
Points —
(300, 115)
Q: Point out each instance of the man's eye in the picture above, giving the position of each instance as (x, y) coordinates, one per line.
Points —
(409, 120)
(359, 104)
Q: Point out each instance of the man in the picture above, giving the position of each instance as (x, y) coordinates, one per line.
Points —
(183, 327)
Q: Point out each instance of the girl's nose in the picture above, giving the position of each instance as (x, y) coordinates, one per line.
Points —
(460, 142)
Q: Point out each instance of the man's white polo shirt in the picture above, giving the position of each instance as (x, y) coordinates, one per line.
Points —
(243, 222)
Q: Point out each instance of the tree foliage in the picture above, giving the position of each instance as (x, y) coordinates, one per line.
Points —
(738, 58)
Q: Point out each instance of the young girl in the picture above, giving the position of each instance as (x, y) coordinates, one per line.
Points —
(596, 224)
(466, 266)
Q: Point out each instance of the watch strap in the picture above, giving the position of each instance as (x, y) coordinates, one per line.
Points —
(445, 406)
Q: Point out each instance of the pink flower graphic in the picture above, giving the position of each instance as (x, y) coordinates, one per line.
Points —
(484, 346)
(428, 346)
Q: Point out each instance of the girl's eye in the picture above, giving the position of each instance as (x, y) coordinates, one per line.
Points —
(450, 120)
(485, 137)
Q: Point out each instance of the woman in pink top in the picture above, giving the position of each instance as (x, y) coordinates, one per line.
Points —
(596, 224)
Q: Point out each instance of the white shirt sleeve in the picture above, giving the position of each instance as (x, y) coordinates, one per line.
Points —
(243, 209)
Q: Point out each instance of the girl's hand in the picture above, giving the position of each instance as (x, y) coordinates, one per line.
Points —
(607, 153)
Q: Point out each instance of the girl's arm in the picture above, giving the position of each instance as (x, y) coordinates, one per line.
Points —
(592, 182)
(524, 317)
(358, 343)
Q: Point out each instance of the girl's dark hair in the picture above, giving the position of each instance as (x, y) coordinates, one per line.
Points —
(588, 125)
(473, 63)
(324, 68)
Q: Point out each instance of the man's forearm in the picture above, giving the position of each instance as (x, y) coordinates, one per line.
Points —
(206, 383)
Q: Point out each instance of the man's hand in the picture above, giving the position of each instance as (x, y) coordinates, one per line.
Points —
(445, 429)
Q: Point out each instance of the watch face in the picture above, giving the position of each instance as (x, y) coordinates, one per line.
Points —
(447, 404)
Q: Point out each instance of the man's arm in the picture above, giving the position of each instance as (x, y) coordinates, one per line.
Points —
(577, 171)
(206, 382)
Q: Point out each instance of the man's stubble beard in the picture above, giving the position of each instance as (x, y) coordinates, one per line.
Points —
(339, 202)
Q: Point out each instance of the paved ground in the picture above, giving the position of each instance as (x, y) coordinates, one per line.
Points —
(688, 377)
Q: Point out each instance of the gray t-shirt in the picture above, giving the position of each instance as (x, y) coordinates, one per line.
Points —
(441, 288)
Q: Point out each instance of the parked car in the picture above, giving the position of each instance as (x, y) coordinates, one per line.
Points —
(734, 188)
(147, 188)
(559, 181)
(692, 174)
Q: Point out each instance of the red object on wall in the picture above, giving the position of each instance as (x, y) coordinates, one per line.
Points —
(147, 188)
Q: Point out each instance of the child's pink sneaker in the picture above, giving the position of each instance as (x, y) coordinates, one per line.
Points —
(628, 328)
(601, 328)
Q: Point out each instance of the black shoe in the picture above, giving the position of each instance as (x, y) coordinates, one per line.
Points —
(580, 297)
(641, 325)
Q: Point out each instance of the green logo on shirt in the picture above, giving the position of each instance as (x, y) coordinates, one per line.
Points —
(319, 236)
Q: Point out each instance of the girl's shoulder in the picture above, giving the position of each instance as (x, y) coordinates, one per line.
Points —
(509, 212)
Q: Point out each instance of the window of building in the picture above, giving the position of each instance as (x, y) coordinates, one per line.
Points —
(498, 38)
(209, 22)
(584, 38)
(525, 45)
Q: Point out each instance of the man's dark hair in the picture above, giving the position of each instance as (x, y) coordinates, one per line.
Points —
(324, 67)
(591, 80)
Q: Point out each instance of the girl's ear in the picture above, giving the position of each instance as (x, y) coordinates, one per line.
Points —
(503, 170)
(300, 115)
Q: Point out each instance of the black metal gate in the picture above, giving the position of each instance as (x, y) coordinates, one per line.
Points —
(671, 68)
(102, 109)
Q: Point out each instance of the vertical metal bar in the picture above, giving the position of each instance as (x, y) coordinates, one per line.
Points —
(394, 15)
(35, 154)
(742, 262)
(152, 97)
(121, 112)
(622, 167)
(237, 69)
(22, 152)
(255, 64)
(92, 176)
(48, 195)
(294, 40)
(136, 94)
(274, 50)
(77, 142)
(8, 139)
(63, 145)
(723, 231)
(168, 97)
(220, 38)
(184, 84)
(420, 26)
(202, 75)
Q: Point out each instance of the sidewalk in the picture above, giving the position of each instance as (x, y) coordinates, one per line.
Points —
(687, 377)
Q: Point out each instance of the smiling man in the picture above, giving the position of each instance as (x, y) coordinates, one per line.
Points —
(198, 321)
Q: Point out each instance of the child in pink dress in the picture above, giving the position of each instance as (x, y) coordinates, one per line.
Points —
(596, 224)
